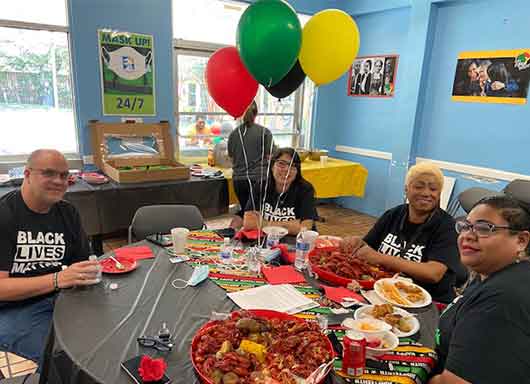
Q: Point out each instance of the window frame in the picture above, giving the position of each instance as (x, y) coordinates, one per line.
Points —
(73, 158)
(204, 49)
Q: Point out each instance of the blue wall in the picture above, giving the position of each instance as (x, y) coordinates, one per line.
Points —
(487, 135)
(141, 16)
(422, 120)
(367, 122)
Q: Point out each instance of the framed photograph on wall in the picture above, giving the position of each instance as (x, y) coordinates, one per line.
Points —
(492, 77)
(373, 76)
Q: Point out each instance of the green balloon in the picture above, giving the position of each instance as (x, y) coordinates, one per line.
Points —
(217, 140)
(269, 37)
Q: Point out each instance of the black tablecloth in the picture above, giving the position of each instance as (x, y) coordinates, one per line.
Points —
(95, 328)
(110, 207)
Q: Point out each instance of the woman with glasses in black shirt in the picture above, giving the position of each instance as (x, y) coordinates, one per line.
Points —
(286, 200)
(484, 336)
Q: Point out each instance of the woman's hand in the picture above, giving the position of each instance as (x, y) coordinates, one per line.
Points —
(82, 273)
(351, 244)
(368, 255)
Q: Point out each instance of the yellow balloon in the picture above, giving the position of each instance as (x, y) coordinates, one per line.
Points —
(330, 42)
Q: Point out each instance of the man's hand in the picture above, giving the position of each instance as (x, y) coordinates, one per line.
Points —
(497, 85)
(351, 244)
(82, 273)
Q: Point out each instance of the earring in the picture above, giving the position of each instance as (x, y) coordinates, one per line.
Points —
(521, 255)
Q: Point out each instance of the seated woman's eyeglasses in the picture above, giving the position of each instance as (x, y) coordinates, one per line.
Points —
(284, 164)
(156, 343)
(481, 228)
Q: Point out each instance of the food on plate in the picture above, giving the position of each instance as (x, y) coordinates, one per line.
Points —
(391, 293)
(416, 297)
(327, 242)
(344, 265)
(385, 312)
(377, 343)
(251, 349)
(409, 288)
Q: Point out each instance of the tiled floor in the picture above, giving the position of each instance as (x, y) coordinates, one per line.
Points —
(336, 221)
(13, 365)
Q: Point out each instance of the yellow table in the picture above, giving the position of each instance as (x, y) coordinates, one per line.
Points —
(337, 178)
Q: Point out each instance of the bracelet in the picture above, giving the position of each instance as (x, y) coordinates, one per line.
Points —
(55, 281)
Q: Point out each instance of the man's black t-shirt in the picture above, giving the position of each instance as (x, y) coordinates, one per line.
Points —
(484, 335)
(434, 240)
(35, 244)
(298, 202)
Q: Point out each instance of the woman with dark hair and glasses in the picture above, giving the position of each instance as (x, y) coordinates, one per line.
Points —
(287, 199)
(484, 335)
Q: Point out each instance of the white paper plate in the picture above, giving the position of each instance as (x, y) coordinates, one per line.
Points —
(378, 288)
(365, 312)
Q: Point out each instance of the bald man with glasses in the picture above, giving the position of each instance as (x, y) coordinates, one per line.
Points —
(43, 248)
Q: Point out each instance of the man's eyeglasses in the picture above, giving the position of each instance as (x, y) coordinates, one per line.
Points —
(156, 343)
(52, 173)
(481, 228)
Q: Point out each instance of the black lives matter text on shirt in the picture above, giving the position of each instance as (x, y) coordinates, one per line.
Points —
(297, 203)
(34, 244)
(38, 250)
(434, 240)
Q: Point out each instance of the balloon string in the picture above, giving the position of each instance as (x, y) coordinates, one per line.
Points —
(261, 209)
(246, 170)
(264, 192)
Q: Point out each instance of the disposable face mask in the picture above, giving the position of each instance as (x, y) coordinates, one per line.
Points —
(200, 273)
(127, 62)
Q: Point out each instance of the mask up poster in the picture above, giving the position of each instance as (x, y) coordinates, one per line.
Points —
(127, 73)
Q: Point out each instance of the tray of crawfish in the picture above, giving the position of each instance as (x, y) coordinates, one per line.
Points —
(259, 347)
(334, 266)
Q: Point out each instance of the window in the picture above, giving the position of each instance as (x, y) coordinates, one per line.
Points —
(200, 122)
(35, 88)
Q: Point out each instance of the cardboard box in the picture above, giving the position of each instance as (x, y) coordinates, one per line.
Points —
(135, 152)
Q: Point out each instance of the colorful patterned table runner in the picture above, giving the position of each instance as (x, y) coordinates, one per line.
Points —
(411, 362)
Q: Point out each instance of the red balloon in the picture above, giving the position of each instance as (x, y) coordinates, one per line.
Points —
(229, 83)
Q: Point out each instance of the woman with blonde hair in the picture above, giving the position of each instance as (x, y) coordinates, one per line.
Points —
(417, 238)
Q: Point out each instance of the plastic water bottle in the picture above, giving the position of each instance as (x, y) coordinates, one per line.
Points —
(226, 251)
(302, 249)
(98, 275)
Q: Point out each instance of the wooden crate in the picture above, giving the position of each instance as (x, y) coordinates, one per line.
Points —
(151, 167)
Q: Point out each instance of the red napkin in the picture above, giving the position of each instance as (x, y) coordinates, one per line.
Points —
(151, 369)
(285, 274)
(249, 235)
(136, 253)
(338, 294)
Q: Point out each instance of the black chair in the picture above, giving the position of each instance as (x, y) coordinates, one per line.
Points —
(154, 219)
(520, 190)
(471, 196)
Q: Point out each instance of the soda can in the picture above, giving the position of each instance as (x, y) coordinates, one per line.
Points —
(354, 353)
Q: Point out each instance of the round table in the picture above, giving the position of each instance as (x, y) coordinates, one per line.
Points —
(95, 328)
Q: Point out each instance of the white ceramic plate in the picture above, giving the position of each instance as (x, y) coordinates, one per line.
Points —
(378, 288)
(377, 326)
(278, 231)
(365, 312)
